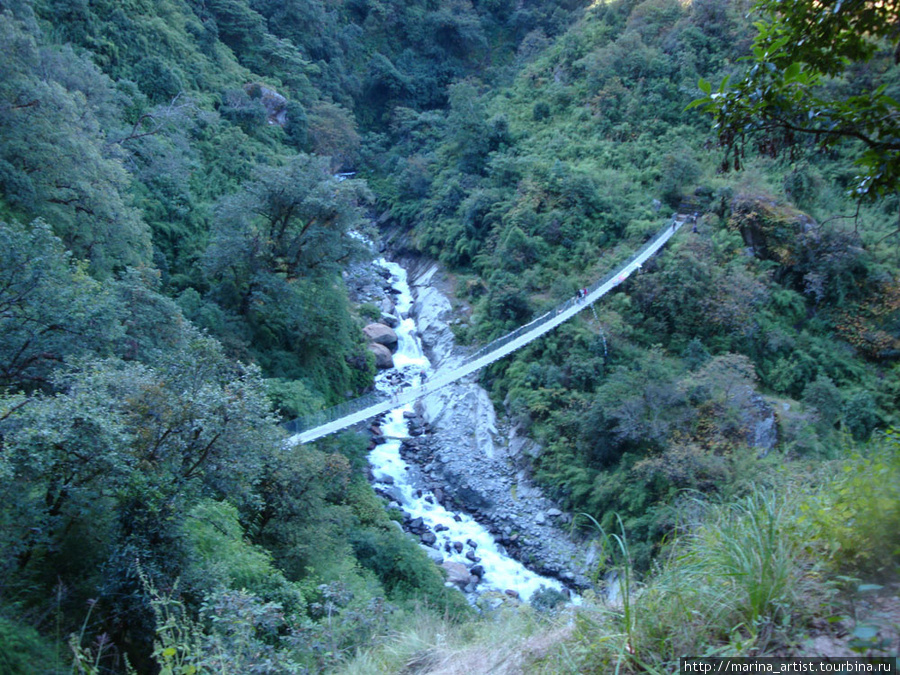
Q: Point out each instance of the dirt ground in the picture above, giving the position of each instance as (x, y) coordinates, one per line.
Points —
(868, 625)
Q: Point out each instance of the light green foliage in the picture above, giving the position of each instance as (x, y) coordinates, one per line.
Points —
(219, 557)
(291, 398)
(856, 512)
(785, 95)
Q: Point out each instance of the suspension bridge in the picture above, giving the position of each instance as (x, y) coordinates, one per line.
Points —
(347, 414)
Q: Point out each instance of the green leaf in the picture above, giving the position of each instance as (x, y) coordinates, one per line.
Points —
(865, 588)
(705, 86)
(865, 632)
(791, 72)
(696, 103)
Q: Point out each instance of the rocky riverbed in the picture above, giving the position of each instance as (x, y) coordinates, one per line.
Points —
(469, 458)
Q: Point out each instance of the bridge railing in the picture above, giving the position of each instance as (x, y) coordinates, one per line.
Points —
(322, 417)
(548, 316)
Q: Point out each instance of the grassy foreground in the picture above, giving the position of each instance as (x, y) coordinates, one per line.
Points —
(763, 574)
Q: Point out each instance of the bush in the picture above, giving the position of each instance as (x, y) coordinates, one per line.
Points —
(404, 569)
(21, 649)
(741, 582)
(856, 511)
(860, 415)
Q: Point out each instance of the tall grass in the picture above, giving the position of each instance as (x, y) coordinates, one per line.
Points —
(511, 640)
(740, 584)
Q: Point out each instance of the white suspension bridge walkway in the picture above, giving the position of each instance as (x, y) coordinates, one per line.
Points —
(358, 410)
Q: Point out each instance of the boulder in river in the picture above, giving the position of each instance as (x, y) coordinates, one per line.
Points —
(457, 573)
(389, 320)
(434, 555)
(380, 334)
(383, 358)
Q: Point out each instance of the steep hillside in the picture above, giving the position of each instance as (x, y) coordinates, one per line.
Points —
(174, 244)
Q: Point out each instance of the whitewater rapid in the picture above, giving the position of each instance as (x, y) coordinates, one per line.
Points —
(393, 475)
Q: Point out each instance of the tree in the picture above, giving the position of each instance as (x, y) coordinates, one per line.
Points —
(294, 221)
(55, 161)
(792, 89)
(50, 309)
(275, 255)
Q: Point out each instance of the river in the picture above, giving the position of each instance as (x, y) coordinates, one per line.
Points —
(458, 538)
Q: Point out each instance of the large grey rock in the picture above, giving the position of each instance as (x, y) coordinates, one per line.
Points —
(434, 555)
(383, 357)
(457, 573)
(274, 103)
(380, 334)
(433, 313)
(760, 423)
(520, 444)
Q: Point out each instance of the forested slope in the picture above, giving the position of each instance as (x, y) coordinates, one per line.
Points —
(173, 242)
(173, 239)
(781, 299)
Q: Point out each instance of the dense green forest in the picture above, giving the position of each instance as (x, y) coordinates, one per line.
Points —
(173, 243)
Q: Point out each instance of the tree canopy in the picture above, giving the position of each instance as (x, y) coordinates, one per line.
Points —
(794, 86)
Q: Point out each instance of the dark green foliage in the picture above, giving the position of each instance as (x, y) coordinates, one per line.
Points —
(22, 650)
(55, 161)
(787, 95)
(274, 252)
(404, 569)
(823, 395)
(547, 599)
(51, 309)
(860, 415)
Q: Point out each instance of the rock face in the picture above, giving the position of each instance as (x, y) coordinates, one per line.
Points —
(380, 334)
(772, 230)
(275, 103)
(383, 357)
(759, 421)
(432, 311)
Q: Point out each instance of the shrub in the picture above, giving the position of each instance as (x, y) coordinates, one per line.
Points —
(739, 583)
(856, 512)
(21, 649)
